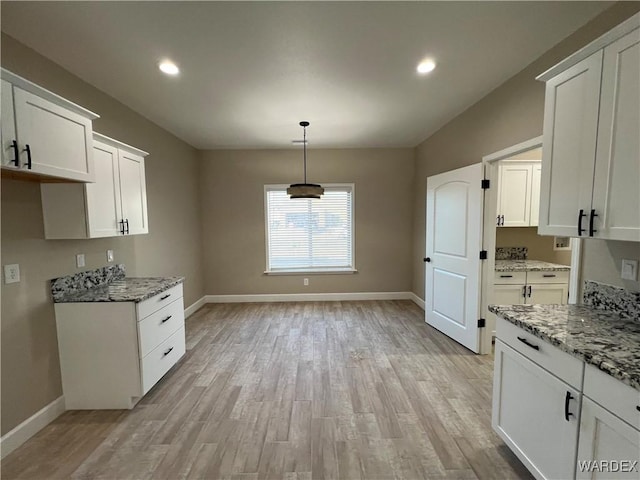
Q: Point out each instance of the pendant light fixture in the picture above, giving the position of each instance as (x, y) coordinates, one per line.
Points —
(305, 190)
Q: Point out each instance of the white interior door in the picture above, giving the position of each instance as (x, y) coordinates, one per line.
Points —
(454, 239)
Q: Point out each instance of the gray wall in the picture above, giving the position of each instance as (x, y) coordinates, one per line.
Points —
(232, 185)
(30, 368)
(510, 114)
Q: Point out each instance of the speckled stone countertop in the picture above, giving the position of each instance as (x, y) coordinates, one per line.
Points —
(528, 266)
(600, 338)
(123, 290)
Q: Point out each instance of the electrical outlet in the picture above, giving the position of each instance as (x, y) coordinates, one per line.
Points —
(629, 270)
(80, 260)
(109, 255)
(306, 282)
(12, 273)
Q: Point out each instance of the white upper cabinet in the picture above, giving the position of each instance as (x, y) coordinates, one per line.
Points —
(591, 156)
(116, 204)
(516, 189)
(44, 134)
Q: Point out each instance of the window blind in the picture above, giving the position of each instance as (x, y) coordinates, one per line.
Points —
(309, 234)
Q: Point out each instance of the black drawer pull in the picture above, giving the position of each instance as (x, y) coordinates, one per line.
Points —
(568, 397)
(506, 276)
(168, 352)
(549, 275)
(164, 297)
(166, 319)
(16, 153)
(524, 340)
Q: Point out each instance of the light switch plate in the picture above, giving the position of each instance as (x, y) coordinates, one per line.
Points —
(109, 255)
(629, 270)
(12, 273)
(80, 260)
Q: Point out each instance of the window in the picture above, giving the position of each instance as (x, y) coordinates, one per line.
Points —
(309, 235)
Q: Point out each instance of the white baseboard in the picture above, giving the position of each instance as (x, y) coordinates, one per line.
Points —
(308, 297)
(191, 309)
(32, 425)
(417, 300)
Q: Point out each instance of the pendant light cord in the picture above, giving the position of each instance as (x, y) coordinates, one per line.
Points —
(305, 153)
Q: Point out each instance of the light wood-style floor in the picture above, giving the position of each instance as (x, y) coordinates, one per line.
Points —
(348, 390)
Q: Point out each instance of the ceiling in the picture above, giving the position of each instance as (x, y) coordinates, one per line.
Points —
(250, 71)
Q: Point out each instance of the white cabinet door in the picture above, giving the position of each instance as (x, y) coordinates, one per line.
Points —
(508, 294)
(616, 194)
(604, 437)
(535, 194)
(547, 294)
(514, 204)
(529, 414)
(104, 209)
(133, 192)
(9, 138)
(571, 107)
(53, 141)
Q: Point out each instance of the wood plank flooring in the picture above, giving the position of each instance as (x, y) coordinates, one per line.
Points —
(299, 391)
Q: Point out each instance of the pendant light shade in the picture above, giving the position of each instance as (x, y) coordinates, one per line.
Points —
(305, 190)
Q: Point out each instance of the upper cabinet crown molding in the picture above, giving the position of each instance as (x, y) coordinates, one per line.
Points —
(31, 87)
(598, 44)
(590, 183)
(44, 136)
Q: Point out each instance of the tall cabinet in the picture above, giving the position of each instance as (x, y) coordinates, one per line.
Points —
(590, 183)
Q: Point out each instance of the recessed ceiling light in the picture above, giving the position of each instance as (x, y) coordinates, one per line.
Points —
(169, 68)
(426, 66)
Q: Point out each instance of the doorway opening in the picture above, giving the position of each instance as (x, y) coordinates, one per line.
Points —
(512, 242)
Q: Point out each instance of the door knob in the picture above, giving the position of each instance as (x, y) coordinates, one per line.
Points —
(427, 259)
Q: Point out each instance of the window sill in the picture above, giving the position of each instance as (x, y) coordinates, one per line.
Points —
(324, 271)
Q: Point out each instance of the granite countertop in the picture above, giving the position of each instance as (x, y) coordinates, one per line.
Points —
(604, 339)
(128, 289)
(529, 266)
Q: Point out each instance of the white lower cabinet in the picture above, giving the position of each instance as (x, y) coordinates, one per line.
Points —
(609, 429)
(562, 418)
(112, 353)
(539, 287)
(536, 414)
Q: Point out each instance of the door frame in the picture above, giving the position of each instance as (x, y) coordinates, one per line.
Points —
(489, 237)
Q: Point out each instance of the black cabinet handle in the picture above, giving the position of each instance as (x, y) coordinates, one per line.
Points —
(506, 276)
(427, 259)
(638, 408)
(166, 319)
(164, 297)
(16, 153)
(121, 222)
(524, 340)
(580, 229)
(529, 291)
(167, 352)
(592, 215)
(501, 221)
(548, 275)
(568, 397)
(28, 150)
(498, 220)
(524, 291)
(127, 222)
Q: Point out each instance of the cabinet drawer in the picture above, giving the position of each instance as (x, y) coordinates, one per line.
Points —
(548, 277)
(159, 326)
(153, 304)
(620, 399)
(510, 278)
(552, 359)
(161, 359)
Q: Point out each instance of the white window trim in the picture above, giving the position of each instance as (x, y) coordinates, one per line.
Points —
(315, 271)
